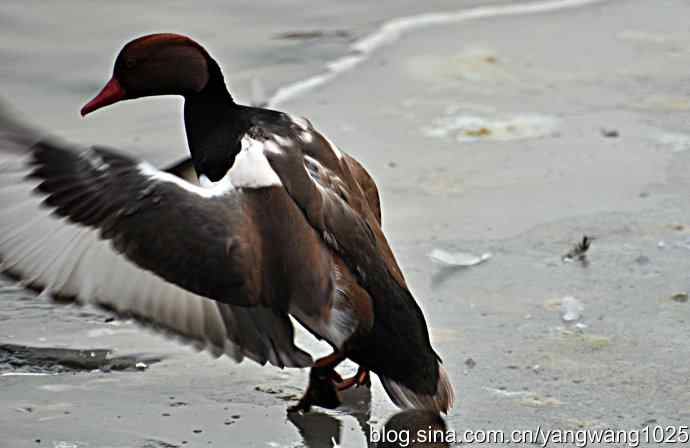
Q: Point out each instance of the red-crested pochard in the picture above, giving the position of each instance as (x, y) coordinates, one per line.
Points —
(282, 223)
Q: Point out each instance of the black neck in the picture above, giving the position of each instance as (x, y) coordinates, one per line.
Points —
(213, 125)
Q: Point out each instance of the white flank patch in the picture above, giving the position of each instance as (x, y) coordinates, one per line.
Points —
(394, 29)
(205, 182)
(251, 168)
(212, 189)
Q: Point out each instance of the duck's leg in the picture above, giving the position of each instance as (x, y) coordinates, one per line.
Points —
(322, 390)
(361, 378)
(331, 361)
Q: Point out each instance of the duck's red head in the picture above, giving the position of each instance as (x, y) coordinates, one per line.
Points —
(157, 64)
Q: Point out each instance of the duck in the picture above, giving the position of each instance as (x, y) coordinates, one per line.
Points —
(267, 222)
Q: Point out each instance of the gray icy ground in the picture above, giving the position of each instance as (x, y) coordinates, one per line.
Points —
(484, 136)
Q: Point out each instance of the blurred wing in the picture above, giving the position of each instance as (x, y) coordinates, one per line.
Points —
(100, 227)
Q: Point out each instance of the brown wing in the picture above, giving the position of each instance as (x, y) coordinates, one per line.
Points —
(335, 192)
(366, 183)
(96, 226)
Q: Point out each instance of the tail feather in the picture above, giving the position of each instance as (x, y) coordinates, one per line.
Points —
(405, 397)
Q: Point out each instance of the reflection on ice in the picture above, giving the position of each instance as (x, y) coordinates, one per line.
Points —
(462, 259)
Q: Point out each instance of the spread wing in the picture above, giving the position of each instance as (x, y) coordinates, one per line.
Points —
(96, 226)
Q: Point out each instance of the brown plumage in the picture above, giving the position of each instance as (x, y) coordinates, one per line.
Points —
(283, 224)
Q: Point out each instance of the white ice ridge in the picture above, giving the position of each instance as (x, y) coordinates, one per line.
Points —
(393, 29)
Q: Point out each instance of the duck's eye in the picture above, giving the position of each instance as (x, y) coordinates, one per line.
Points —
(130, 62)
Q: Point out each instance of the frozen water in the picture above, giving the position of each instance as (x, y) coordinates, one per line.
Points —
(464, 259)
(571, 309)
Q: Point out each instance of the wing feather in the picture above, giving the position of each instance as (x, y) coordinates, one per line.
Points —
(74, 223)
